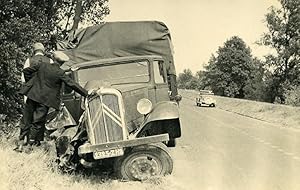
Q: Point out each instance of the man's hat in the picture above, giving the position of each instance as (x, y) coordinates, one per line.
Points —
(59, 56)
(38, 46)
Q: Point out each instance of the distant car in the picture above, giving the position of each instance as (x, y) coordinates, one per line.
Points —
(206, 97)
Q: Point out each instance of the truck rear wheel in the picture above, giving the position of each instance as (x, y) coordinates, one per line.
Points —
(143, 162)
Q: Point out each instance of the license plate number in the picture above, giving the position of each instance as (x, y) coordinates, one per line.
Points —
(108, 153)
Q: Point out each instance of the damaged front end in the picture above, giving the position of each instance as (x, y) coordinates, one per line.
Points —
(102, 139)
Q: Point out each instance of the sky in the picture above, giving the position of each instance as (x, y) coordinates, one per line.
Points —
(199, 27)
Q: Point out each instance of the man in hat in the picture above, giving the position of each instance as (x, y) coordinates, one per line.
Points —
(44, 93)
(38, 56)
(38, 51)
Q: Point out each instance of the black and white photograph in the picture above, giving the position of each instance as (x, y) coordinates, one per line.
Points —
(150, 95)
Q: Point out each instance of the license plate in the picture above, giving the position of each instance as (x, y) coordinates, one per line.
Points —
(108, 153)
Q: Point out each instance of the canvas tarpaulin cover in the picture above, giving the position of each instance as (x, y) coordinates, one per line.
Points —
(119, 39)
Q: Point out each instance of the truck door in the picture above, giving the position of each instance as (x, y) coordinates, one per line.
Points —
(72, 100)
(160, 81)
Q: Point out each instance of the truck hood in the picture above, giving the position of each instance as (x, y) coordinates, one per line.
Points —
(131, 94)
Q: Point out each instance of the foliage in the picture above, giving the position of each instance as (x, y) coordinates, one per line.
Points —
(284, 36)
(90, 12)
(292, 96)
(200, 76)
(230, 71)
(186, 80)
(255, 88)
(233, 72)
(193, 84)
(26, 21)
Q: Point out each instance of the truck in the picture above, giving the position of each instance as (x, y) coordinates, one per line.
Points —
(132, 118)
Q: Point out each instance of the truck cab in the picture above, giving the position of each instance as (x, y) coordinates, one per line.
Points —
(136, 78)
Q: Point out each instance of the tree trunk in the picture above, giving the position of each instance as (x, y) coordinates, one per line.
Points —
(78, 12)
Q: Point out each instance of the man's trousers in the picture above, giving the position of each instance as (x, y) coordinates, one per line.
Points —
(34, 117)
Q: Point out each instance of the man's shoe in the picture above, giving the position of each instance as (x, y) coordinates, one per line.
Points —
(34, 142)
(28, 149)
(37, 143)
(18, 148)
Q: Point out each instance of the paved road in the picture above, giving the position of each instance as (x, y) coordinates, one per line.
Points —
(222, 150)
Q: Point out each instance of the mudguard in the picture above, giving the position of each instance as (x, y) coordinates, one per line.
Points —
(164, 118)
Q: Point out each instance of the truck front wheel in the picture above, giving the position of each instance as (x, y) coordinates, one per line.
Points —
(143, 162)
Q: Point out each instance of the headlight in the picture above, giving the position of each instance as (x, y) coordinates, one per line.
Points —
(144, 106)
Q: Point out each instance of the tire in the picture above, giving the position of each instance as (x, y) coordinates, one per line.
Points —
(212, 105)
(144, 162)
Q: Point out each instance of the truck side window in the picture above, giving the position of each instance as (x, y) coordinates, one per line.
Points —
(67, 89)
(158, 69)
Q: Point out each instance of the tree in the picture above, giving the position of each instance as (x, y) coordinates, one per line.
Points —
(86, 11)
(292, 96)
(192, 84)
(256, 86)
(26, 21)
(284, 36)
(228, 73)
(185, 78)
(200, 77)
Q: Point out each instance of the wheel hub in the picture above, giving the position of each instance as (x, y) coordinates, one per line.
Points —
(144, 167)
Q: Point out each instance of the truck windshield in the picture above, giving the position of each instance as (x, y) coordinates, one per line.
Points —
(133, 72)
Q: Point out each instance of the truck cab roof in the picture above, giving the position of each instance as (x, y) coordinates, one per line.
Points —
(110, 60)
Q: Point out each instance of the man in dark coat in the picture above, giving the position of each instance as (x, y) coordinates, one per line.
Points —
(43, 90)
(38, 56)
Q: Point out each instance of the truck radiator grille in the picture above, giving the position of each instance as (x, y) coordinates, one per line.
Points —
(105, 119)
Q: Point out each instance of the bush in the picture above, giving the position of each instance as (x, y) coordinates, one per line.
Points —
(292, 96)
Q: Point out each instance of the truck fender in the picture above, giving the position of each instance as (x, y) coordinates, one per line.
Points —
(163, 118)
(163, 111)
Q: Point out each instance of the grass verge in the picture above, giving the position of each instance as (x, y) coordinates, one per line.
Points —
(38, 171)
